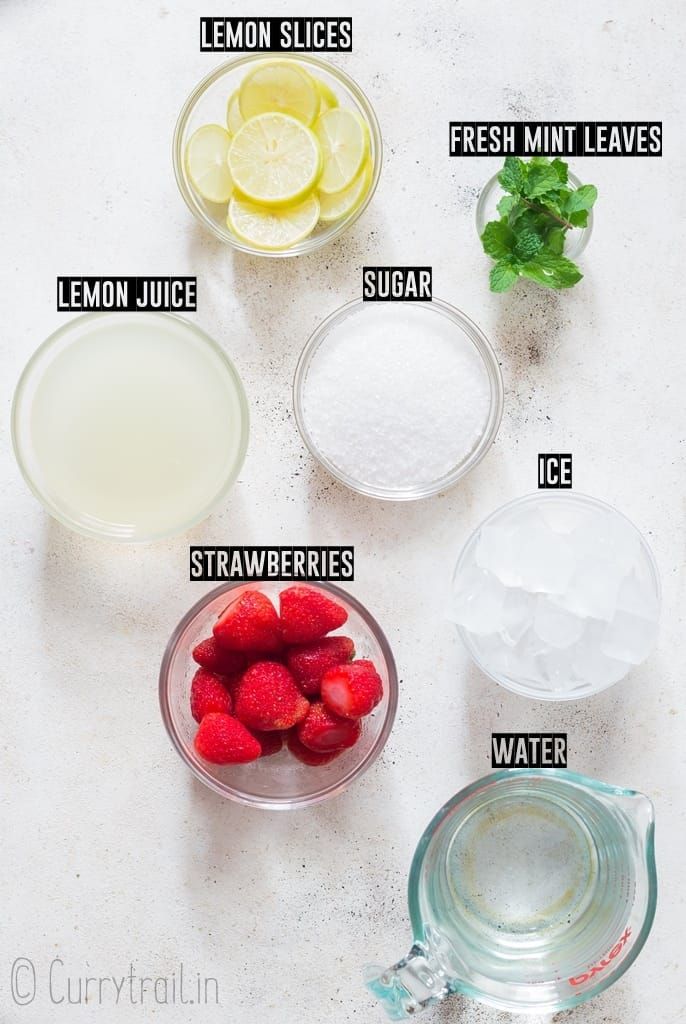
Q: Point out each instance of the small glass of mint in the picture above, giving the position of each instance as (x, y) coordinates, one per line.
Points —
(534, 219)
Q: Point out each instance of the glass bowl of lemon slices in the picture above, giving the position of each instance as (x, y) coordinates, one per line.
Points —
(277, 155)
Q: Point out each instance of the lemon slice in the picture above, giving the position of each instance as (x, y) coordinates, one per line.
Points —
(234, 121)
(341, 204)
(272, 229)
(274, 160)
(327, 97)
(344, 139)
(206, 154)
(279, 86)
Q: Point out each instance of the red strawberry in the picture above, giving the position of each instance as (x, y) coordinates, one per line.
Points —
(210, 655)
(323, 731)
(250, 623)
(208, 694)
(308, 614)
(271, 742)
(231, 684)
(306, 755)
(309, 662)
(267, 698)
(222, 739)
(252, 657)
(352, 690)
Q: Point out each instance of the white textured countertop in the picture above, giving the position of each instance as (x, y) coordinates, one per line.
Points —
(111, 852)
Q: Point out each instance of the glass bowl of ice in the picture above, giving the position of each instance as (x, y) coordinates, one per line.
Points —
(556, 597)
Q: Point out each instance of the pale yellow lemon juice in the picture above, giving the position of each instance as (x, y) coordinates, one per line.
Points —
(130, 425)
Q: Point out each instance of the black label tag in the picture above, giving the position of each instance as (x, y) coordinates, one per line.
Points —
(127, 294)
(219, 565)
(397, 284)
(280, 35)
(555, 138)
(554, 471)
(529, 750)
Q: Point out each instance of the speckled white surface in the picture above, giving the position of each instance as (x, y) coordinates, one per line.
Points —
(111, 853)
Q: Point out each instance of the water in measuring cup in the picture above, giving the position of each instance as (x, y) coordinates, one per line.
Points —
(530, 885)
(551, 869)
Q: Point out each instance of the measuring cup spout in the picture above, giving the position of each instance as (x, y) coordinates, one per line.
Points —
(421, 979)
(641, 813)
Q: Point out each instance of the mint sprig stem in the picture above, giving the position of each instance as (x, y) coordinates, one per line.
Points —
(548, 213)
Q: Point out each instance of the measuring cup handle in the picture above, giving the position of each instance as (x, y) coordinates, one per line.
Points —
(422, 978)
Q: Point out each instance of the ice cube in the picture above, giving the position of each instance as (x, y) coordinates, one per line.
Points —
(563, 515)
(590, 664)
(556, 668)
(524, 662)
(518, 613)
(629, 638)
(609, 536)
(544, 560)
(495, 657)
(494, 552)
(531, 645)
(556, 625)
(638, 598)
(622, 542)
(477, 601)
(525, 552)
(593, 590)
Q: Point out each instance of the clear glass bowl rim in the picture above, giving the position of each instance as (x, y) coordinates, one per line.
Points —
(275, 803)
(55, 338)
(584, 499)
(573, 778)
(490, 361)
(313, 243)
(584, 234)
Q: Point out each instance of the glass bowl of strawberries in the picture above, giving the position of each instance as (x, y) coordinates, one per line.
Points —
(278, 695)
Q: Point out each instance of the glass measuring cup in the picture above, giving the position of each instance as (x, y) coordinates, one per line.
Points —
(531, 890)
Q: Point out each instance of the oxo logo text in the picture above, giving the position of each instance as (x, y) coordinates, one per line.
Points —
(602, 964)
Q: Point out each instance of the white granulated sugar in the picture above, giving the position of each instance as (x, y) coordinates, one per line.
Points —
(396, 397)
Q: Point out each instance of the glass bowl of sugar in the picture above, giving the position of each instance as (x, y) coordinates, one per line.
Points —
(398, 401)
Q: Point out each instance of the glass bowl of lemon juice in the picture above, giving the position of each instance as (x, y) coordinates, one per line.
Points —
(129, 426)
(277, 155)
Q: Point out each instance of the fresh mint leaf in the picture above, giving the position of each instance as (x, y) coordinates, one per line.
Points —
(552, 271)
(506, 205)
(512, 178)
(503, 276)
(519, 215)
(561, 169)
(528, 244)
(581, 198)
(578, 219)
(541, 179)
(553, 202)
(498, 239)
(530, 220)
(556, 241)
